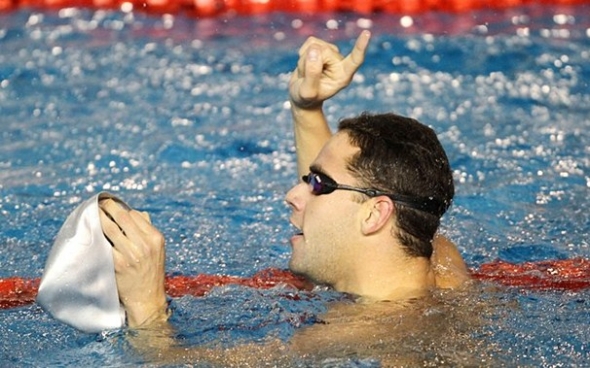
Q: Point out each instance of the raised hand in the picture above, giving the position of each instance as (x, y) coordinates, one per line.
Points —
(322, 71)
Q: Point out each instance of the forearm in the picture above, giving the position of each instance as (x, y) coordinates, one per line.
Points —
(155, 341)
(158, 345)
(150, 333)
(311, 133)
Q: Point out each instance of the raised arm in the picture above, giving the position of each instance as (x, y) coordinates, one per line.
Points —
(321, 73)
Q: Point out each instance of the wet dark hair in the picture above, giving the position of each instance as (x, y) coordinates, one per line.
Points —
(403, 156)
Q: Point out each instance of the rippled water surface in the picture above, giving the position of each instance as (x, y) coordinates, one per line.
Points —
(187, 119)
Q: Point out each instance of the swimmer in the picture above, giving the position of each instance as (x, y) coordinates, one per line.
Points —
(367, 210)
(411, 161)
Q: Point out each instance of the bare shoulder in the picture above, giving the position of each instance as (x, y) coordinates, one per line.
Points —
(448, 265)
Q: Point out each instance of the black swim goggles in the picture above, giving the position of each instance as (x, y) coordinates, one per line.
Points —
(323, 184)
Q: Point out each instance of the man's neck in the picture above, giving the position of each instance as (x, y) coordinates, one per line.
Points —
(389, 277)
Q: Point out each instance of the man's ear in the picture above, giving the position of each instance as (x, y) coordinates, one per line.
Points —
(378, 214)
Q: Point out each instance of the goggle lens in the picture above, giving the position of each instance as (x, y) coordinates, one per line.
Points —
(320, 184)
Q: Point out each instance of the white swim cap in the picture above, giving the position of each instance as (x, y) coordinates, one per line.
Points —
(78, 286)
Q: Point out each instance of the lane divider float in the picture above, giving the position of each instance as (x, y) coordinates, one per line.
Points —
(552, 275)
(211, 8)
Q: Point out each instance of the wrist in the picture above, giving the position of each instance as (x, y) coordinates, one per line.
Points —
(142, 314)
(305, 107)
(307, 116)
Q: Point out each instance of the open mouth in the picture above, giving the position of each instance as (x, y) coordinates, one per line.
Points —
(297, 236)
(298, 231)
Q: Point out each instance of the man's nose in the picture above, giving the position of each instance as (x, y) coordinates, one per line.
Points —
(295, 197)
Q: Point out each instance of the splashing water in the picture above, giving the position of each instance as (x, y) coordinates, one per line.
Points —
(187, 119)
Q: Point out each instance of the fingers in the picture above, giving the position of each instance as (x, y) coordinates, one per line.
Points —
(318, 42)
(318, 56)
(110, 228)
(110, 217)
(129, 221)
(146, 216)
(130, 232)
(357, 56)
(139, 260)
(320, 48)
(352, 62)
(313, 68)
(322, 71)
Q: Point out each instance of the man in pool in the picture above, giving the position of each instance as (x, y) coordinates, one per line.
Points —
(367, 211)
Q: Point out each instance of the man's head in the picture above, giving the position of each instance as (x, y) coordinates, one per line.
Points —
(399, 155)
(339, 224)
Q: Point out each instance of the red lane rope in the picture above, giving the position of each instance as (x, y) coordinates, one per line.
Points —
(209, 8)
(566, 275)
(16, 292)
(199, 285)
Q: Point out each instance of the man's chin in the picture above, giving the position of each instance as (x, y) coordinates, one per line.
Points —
(293, 268)
(297, 268)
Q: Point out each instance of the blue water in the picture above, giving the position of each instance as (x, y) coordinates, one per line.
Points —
(187, 119)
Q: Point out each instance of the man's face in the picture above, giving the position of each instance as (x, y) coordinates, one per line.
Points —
(329, 225)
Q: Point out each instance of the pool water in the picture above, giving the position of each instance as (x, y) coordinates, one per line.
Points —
(188, 119)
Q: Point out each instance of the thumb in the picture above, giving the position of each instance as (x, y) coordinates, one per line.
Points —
(357, 56)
